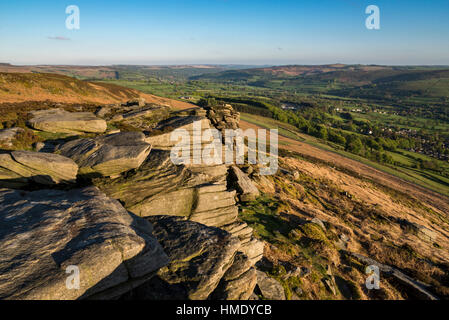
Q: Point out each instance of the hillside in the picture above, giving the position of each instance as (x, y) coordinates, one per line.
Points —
(396, 84)
(218, 232)
(23, 87)
(122, 72)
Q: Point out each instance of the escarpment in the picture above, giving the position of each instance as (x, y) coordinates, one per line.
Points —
(128, 219)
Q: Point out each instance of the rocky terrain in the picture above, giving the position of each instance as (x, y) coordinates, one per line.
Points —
(94, 186)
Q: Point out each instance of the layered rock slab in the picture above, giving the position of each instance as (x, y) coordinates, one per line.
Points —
(61, 121)
(242, 183)
(42, 233)
(199, 258)
(108, 155)
(19, 168)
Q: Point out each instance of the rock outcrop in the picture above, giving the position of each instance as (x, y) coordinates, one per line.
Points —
(193, 126)
(223, 116)
(61, 121)
(43, 233)
(108, 155)
(20, 168)
(199, 258)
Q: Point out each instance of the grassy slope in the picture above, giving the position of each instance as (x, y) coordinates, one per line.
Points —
(415, 176)
(22, 87)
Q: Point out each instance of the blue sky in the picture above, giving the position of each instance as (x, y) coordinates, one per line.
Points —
(224, 32)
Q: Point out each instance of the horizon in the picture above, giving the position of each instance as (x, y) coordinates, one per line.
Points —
(225, 64)
(225, 32)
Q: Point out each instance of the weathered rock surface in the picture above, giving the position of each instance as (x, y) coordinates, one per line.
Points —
(199, 258)
(223, 117)
(269, 287)
(7, 136)
(108, 155)
(243, 184)
(140, 102)
(240, 288)
(61, 121)
(19, 168)
(193, 126)
(44, 232)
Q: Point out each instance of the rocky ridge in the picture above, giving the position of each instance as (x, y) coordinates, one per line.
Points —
(168, 217)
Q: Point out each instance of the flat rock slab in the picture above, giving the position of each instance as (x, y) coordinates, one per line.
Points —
(61, 121)
(43, 233)
(19, 168)
(108, 155)
(199, 256)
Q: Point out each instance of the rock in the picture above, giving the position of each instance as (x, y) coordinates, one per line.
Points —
(162, 134)
(61, 121)
(38, 146)
(136, 102)
(299, 291)
(152, 112)
(19, 168)
(419, 289)
(425, 233)
(270, 288)
(199, 258)
(44, 232)
(319, 223)
(102, 112)
(158, 187)
(296, 175)
(7, 136)
(243, 184)
(223, 116)
(109, 155)
(240, 288)
(343, 241)
(240, 265)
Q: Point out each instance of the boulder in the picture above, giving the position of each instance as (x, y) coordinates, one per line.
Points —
(19, 168)
(199, 258)
(45, 234)
(61, 121)
(108, 155)
(243, 184)
(270, 288)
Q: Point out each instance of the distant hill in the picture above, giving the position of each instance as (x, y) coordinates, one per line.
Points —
(413, 84)
(123, 72)
(21, 87)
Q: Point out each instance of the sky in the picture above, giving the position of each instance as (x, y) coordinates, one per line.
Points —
(262, 32)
